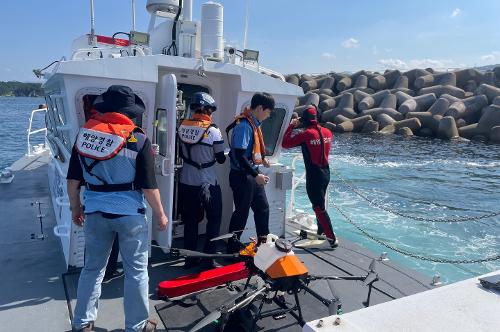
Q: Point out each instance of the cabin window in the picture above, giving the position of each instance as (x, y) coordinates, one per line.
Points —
(53, 133)
(161, 131)
(55, 108)
(271, 128)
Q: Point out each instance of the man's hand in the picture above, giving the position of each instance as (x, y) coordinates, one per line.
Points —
(77, 215)
(295, 122)
(161, 222)
(262, 179)
(266, 163)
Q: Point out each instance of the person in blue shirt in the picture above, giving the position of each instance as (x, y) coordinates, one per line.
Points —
(247, 153)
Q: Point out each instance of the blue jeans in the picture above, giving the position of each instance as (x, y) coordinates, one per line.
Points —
(133, 238)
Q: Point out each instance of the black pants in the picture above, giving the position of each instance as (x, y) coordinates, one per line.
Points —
(317, 180)
(192, 210)
(248, 194)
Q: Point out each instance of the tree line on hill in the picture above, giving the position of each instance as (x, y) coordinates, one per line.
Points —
(20, 89)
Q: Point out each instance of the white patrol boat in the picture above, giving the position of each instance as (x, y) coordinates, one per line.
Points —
(164, 66)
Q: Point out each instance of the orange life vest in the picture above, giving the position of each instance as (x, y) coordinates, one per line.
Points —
(259, 148)
(104, 135)
(192, 131)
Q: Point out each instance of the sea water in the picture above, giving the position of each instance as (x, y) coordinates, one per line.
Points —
(427, 178)
(375, 175)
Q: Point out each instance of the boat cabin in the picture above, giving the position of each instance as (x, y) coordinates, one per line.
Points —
(164, 83)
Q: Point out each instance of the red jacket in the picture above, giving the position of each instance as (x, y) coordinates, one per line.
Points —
(314, 150)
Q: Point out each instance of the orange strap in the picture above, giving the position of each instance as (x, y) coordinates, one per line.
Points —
(259, 147)
(198, 120)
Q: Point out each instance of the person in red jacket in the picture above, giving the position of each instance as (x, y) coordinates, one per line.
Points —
(315, 142)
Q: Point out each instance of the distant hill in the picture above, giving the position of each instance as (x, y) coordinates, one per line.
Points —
(20, 89)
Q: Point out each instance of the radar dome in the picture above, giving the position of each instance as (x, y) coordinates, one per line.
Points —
(163, 8)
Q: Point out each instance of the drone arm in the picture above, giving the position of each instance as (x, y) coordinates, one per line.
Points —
(313, 277)
(190, 253)
(323, 300)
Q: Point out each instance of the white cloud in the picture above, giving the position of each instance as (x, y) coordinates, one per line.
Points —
(488, 58)
(455, 12)
(350, 43)
(416, 63)
(492, 57)
(393, 63)
(374, 50)
(6, 69)
(388, 50)
(328, 55)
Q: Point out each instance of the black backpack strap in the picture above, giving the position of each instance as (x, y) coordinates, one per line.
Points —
(88, 168)
(228, 129)
(188, 160)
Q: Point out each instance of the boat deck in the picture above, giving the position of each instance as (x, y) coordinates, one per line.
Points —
(34, 296)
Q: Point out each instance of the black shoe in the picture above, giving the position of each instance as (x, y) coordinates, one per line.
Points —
(190, 263)
(209, 263)
(334, 243)
(110, 277)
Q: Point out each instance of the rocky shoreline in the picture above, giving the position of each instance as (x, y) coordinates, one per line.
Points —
(461, 104)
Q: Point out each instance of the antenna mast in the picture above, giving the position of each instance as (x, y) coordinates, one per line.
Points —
(133, 15)
(246, 25)
(92, 39)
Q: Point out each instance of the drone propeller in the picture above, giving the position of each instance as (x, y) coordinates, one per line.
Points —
(229, 307)
(372, 275)
(304, 234)
(227, 236)
(192, 254)
(214, 315)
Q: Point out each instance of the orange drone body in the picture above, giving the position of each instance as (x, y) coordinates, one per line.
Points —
(287, 266)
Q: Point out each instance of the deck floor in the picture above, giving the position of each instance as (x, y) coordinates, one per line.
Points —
(33, 295)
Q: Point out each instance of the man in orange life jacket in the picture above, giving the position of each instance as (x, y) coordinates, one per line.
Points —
(201, 147)
(114, 160)
(315, 142)
(247, 153)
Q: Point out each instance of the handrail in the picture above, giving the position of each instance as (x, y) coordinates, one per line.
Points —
(31, 132)
(296, 180)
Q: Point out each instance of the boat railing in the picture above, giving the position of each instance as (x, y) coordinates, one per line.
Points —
(299, 216)
(39, 148)
(272, 73)
(112, 52)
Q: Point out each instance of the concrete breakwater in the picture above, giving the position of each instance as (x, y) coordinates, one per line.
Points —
(460, 104)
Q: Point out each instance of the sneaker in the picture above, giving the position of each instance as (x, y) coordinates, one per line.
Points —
(112, 276)
(87, 328)
(150, 325)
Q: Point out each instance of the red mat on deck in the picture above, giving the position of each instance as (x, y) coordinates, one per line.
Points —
(203, 280)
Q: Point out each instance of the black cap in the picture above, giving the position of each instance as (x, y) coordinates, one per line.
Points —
(120, 99)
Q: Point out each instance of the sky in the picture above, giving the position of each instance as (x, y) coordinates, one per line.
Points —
(308, 36)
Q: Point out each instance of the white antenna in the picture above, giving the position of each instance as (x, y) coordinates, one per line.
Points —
(246, 25)
(133, 15)
(92, 40)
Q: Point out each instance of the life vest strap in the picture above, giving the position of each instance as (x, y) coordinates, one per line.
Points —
(111, 187)
(198, 165)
